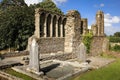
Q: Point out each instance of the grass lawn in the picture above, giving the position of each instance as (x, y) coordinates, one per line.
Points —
(14, 73)
(110, 72)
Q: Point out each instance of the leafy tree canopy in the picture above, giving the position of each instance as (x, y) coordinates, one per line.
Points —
(8, 3)
(16, 26)
(17, 22)
(49, 5)
(117, 34)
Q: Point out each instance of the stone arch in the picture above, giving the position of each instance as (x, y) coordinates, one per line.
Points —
(59, 26)
(54, 26)
(64, 23)
(42, 21)
(48, 23)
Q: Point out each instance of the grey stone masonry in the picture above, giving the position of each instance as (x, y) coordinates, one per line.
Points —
(72, 31)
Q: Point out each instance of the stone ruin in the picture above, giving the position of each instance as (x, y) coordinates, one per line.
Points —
(63, 33)
(57, 33)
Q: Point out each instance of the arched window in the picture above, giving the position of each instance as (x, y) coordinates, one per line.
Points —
(42, 21)
(64, 23)
(54, 26)
(48, 25)
(59, 26)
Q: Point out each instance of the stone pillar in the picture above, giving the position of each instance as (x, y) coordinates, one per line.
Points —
(45, 30)
(56, 28)
(37, 23)
(72, 32)
(61, 29)
(51, 27)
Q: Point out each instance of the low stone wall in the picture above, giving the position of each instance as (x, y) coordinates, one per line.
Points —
(113, 44)
(57, 56)
(15, 54)
(51, 45)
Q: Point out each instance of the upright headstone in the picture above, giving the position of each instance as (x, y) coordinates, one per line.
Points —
(34, 65)
(82, 52)
(105, 45)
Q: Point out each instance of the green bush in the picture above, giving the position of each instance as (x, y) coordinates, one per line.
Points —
(87, 39)
(115, 48)
(114, 39)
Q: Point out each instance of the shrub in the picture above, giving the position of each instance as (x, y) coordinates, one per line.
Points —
(87, 39)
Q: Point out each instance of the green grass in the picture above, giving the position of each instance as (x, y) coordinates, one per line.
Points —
(110, 72)
(17, 74)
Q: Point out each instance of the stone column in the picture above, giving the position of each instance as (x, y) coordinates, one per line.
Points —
(61, 29)
(56, 28)
(37, 23)
(51, 27)
(45, 30)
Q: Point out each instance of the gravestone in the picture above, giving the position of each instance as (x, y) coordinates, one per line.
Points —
(105, 46)
(34, 65)
(82, 52)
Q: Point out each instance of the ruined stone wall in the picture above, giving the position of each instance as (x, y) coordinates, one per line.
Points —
(84, 26)
(63, 33)
(99, 45)
(51, 45)
(72, 31)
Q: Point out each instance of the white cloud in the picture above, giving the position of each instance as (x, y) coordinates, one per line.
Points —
(102, 5)
(112, 29)
(99, 5)
(28, 2)
(37, 1)
(60, 1)
(110, 24)
(109, 20)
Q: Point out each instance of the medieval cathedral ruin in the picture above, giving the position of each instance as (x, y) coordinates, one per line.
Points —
(62, 36)
(64, 33)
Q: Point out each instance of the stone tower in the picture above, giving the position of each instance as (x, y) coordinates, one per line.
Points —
(100, 23)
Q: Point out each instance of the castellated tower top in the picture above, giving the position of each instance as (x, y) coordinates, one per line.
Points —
(100, 12)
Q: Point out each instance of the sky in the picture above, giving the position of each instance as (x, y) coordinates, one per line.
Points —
(88, 9)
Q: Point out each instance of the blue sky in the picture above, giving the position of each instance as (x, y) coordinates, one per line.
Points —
(88, 9)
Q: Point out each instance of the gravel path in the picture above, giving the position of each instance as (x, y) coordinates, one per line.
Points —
(98, 62)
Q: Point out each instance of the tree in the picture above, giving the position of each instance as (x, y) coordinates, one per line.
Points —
(87, 40)
(117, 34)
(16, 26)
(49, 5)
(7, 3)
(17, 22)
